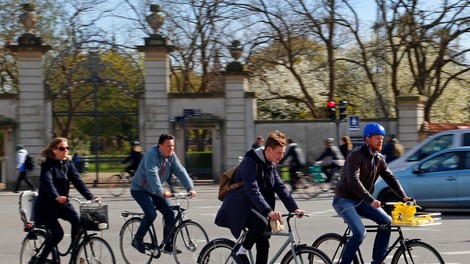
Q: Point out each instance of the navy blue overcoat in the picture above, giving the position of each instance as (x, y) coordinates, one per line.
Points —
(261, 183)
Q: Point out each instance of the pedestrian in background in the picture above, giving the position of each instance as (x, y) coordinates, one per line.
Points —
(259, 142)
(21, 154)
(346, 146)
(393, 149)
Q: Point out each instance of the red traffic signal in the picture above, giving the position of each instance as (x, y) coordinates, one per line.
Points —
(332, 110)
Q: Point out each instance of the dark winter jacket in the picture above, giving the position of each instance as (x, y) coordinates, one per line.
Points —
(361, 171)
(261, 183)
(56, 176)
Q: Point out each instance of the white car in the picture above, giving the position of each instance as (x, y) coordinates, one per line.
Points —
(433, 144)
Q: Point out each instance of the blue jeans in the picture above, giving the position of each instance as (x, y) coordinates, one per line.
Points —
(351, 210)
(149, 204)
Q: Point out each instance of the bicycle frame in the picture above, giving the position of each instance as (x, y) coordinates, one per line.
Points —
(374, 229)
(291, 239)
(72, 249)
(180, 218)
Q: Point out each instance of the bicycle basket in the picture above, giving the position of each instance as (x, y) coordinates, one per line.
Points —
(94, 217)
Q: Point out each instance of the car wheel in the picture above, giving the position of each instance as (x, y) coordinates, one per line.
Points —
(388, 196)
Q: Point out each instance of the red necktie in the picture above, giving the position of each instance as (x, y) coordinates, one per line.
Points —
(162, 169)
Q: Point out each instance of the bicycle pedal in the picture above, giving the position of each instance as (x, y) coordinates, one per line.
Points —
(155, 253)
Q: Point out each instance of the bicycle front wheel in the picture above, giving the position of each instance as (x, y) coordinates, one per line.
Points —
(308, 187)
(31, 245)
(417, 252)
(126, 235)
(116, 185)
(217, 251)
(306, 254)
(95, 250)
(189, 237)
(332, 245)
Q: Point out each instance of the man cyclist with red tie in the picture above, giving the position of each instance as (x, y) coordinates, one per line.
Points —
(157, 165)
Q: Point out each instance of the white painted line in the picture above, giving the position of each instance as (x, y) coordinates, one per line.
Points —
(456, 253)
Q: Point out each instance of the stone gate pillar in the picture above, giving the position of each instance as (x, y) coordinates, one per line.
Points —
(239, 110)
(34, 125)
(410, 119)
(154, 109)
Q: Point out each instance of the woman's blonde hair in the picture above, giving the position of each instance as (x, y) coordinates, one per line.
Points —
(48, 151)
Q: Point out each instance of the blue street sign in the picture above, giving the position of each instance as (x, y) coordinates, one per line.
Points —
(353, 123)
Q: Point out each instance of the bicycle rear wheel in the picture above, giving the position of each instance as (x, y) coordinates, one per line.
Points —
(418, 253)
(31, 245)
(217, 251)
(94, 250)
(332, 245)
(116, 185)
(126, 235)
(189, 237)
(308, 187)
(306, 254)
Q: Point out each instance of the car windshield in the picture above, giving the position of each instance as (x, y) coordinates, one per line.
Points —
(437, 144)
(444, 162)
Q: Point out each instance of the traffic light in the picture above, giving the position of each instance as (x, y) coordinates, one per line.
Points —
(342, 109)
(332, 110)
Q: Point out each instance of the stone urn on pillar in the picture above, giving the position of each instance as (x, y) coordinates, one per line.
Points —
(155, 21)
(29, 19)
(236, 51)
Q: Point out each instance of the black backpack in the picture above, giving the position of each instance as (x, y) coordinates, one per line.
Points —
(29, 163)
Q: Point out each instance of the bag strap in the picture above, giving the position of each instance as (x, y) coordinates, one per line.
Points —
(239, 184)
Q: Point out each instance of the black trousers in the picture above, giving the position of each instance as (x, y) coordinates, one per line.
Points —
(23, 176)
(257, 224)
(49, 218)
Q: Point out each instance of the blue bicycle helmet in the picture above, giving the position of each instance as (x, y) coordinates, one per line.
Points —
(373, 129)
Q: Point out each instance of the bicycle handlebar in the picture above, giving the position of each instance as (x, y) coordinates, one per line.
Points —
(181, 195)
(80, 201)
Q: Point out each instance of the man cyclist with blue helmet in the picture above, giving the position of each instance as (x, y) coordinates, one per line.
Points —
(353, 198)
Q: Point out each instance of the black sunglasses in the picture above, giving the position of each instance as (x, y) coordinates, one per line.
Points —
(63, 148)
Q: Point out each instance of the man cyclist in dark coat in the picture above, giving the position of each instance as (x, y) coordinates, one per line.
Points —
(250, 205)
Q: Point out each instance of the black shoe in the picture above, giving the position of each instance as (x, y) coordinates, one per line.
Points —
(240, 259)
(36, 260)
(139, 245)
(169, 249)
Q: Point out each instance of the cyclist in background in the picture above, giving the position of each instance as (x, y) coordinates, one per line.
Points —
(296, 159)
(331, 158)
(135, 156)
(353, 198)
(157, 165)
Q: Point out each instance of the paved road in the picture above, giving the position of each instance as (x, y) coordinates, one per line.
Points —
(451, 238)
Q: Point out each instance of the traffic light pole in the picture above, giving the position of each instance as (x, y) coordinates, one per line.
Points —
(338, 126)
(333, 115)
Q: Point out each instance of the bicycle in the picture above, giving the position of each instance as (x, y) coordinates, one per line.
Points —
(188, 236)
(306, 185)
(219, 250)
(117, 184)
(407, 250)
(86, 247)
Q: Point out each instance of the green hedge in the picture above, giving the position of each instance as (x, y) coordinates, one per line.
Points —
(199, 159)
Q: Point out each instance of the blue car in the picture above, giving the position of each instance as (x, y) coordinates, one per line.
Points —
(439, 181)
